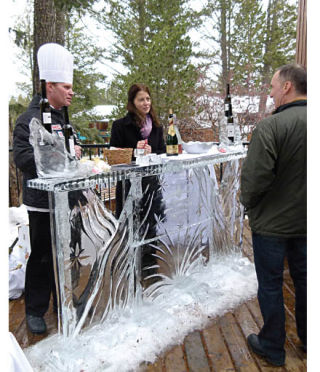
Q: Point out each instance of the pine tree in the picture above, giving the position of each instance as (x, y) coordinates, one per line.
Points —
(279, 41)
(247, 43)
(252, 42)
(154, 46)
(87, 82)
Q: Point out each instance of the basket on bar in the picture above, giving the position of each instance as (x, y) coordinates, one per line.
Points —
(118, 156)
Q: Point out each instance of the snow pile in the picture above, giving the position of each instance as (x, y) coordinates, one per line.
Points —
(17, 216)
(19, 250)
(141, 333)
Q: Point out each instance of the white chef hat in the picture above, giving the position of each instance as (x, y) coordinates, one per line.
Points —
(55, 63)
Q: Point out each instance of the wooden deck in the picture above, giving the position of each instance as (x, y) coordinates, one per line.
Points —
(221, 346)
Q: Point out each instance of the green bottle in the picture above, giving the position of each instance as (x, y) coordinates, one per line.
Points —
(172, 139)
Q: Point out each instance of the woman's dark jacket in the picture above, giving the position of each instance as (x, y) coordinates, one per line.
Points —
(23, 152)
(126, 134)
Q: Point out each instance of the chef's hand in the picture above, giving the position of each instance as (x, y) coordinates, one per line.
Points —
(78, 151)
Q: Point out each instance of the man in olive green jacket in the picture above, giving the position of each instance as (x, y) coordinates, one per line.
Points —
(273, 191)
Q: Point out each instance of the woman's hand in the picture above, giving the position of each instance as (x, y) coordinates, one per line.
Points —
(147, 149)
(144, 145)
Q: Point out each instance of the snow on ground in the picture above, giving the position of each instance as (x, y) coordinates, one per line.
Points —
(142, 332)
(17, 216)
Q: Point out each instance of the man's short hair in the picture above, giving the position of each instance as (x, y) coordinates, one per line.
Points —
(295, 73)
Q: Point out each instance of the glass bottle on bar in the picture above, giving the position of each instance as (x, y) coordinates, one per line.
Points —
(178, 135)
(45, 109)
(229, 115)
(68, 133)
(172, 139)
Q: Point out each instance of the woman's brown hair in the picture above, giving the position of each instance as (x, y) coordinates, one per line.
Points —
(139, 119)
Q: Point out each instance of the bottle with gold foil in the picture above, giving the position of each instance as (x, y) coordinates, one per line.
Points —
(172, 139)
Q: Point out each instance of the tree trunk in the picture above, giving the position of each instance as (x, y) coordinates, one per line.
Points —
(301, 48)
(15, 176)
(271, 23)
(49, 27)
(44, 32)
(223, 43)
(60, 26)
(142, 14)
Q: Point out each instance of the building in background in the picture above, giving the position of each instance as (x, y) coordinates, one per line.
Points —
(103, 124)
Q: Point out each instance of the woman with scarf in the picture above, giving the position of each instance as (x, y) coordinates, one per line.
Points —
(139, 124)
(132, 131)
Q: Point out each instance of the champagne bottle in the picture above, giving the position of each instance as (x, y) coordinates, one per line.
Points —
(172, 139)
(228, 114)
(45, 109)
(68, 133)
(227, 101)
(173, 120)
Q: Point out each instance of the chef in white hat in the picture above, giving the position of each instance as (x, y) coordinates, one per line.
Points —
(56, 67)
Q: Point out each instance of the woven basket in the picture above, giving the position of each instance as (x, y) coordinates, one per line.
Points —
(119, 156)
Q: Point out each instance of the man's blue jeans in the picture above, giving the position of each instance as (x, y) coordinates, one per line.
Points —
(269, 255)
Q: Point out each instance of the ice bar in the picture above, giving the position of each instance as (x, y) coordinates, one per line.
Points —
(175, 216)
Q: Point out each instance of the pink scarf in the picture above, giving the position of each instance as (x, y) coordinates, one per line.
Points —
(146, 128)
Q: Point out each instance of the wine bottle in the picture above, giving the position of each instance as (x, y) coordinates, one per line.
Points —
(45, 109)
(172, 139)
(229, 115)
(68, 133)
(227, 102)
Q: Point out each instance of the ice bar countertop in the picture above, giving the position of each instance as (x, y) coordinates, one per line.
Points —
(128, 171)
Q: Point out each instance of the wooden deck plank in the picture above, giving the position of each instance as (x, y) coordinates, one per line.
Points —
(248, 326)
(254, 308)
(289, 300)
(196, 358)
(237, 345)
(19, 328)
(156, 367)
(293, 361)
(175, 360)
(16, 308)
(295, 358)
(217, 350)
(287, 278)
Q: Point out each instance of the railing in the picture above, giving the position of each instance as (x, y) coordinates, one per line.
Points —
(90, 147)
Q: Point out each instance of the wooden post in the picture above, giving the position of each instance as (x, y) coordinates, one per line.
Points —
(301, 46)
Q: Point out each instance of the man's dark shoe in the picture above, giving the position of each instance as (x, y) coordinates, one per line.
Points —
(254, 343)
(36, 324)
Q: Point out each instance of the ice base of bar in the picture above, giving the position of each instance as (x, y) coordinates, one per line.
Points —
(175, 216)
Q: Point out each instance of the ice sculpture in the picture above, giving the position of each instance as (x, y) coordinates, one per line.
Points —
(51, 157)
(175, 218)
